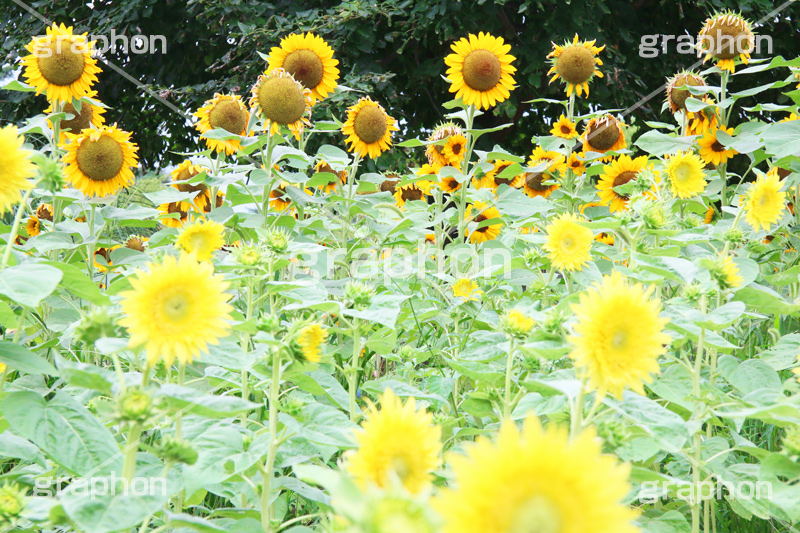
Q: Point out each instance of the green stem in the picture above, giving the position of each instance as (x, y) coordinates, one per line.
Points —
(352, 376)
(697, 441)
(23, 204)
(577, 413)
(462, 197)
(268, 167)
(269, 464)
(509, 371)
(129, 466)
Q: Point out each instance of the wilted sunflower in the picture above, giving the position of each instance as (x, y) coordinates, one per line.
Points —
(181, 209)
(309, 59)
(281, 100)
(33, 227)
(15, 168)
(176, 310)
(479, 213)
(102, 258)
(397, 443)
(677, 93)
(60, 64)
(89, 115)
(435, 152)
(575, 63)
(686, 176)
(703, 121)
(136, 242)
(322, 167)
(368, 128)
(180, 180)
(576, 164)
(712, 151)
(98, 162)
(535, 183)
(310, 338)
(227, 112)
(480, 71)
(618, 335)
(564, 128)
(535, 480)
(201, 239)
(764, 202)
(619, 172)
(568, 243)
(467, 289)
(602, 135)
(725, 36)
(492, 179)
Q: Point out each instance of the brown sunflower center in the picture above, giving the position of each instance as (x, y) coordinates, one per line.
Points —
(370, 124)
(81, 120)
(480, 218)
(281, 100)
(534, 181)
(105, 253)
(175, 207)
(782, 173)
(677, 95)
(230, 116)
(280, 194)
(482, 70)
(623, 178)
(58, 64)
(456, 148)
(389, 185)
(566, 129)
(305, 66)
(44, 212)
(411, 194)
(502, 181)
(575, 64)
(217, 204)
(727, 37)
(187, 174)
(135, 243)
(717, 147)
(603, 134)
(100, 160)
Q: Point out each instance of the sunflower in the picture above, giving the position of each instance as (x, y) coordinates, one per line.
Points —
(480, 71)
(575, 63)
(309, 59)
(492, 180)
(409, 193)
(104, 254)
(685, 172)
(449, 184)
(467, 289)
(368, 128)
(397, 443)
(603, 135)
(791, 117)
(60, 64)
(280, 198)
(709, 216)
(724, 37)
(310, 338)
(727, 273)
(435, 152)
(182, 209)
(712, 151)
(618, 335)
(45, 212)
(227, 112)
(516, 323)
(703, 121)
(180, 180)
(15, 168)
(207, 206)
(483, 213)
(176, 310)
(535, 480)
(33, 227)
(89, 115)
(568, 244)
(605, 238)
(534, 183)
(764, 202)
(564, 128)
(136, 242)
(201, 239)
(576, 164)
(281, 100)
(677, 93)
(98, 162)
(455, 149)
(619, 172)
(324, 168)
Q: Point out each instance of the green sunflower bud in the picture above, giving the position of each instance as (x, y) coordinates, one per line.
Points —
(96, 324)
(277, 241)
(269, 323)
(735, 236)
(249, 255)
(692, 292)
(554, 321)
(52, 173)
(12, 502)
(613, 432)
(173, 450)
(358, 295)
(134, 405)
(693, 221)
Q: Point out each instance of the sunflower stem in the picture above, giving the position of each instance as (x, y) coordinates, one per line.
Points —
(266, 469)
(92, 243)
(129, 466)
(352, 377)
(268, 167)
(509, 370)
(571, 107)
(462, 197)
(698, 405)
(577, 413)
(23, 204)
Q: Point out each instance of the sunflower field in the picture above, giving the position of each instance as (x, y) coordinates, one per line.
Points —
(600, 335)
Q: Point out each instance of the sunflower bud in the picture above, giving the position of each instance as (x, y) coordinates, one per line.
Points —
(554, 321)
(613, 432)
(12, 502)
(624, 216)
(692, 291)
(269, 323)
(52, 173)
(406, 352)
(292, 406)
(515, 323)
(531, 256)
(96, 324)
(726, 273)
(531, 363)
(134, 405)
(277, 241)
(735, 236)
(655, 216)
(249, 255)
(173, 450)
(791, 442)
(693, 221)
(358, 295)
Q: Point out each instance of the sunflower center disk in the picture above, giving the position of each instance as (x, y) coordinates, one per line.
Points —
(370, 124)
(81, 121)
(229, 116)
(537, 515)
(282, 100)
(176, 307)
(412, 194)
(567, 241)
(619, 340)
(575, 64)
(401, 466)
(603, 134)
(187, 174)
(727, 40)
(534, 181)
(717, 147)
(679, 95)
(622, 179)
(305, 66)
(58, 64)
(135, 244)
(100, 160)
(482, 70)
(175, 207)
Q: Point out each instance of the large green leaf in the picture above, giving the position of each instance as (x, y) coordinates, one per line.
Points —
(29, 284)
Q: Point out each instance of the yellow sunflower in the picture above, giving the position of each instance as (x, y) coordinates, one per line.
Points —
(482, 213)
(605, 238)
(791, 117)
(703, 121)
(480, 71)
(368, 128)
(409, 193)
(727, 273)
(619, 172)
(180, 180)
(60, 64)
(536, 480)
(207, 206)
(435, 152)
(536, 183)
(575, 63)
(467, 289)
(677, 93)
(102, 258)
(89, 115)
(686, 176)
(604, 134)
(618, 335)
(201, 239)
(309, 59)
(712, 151)
(176, 310)
(576, 164)
(709, 216)
(493, 180)
(764, 202)
(455, 149)
(227, 112)
(98, 162)
(310, 338)
(726, 36)
(397, 444)
(280, 198)
(322, 167)
(33, 227)
(564, 128)
(449, 184)
(281, 100)
(16, 168)
(182, 209)
(568, 244)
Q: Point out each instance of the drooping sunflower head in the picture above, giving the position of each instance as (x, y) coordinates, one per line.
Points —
(479, 216)
(397, 444)
(621, 171)
(568, 243)
(576, 64)
(677, 93)
(368, 128)
(180, 213)
(549, 167)
(60, 64)
(310, 338)
(98, 162)
(564, 128)
(604, 134)
(726, 36)
(764, 202)
(88, 116)
(410, 192)
(480, 70)
(281, 100)
(16, 168)
(181, 176)
(712, 151)
(322, 167)
(227, 112)
(137, 242)
(201, 239)
(686, 176)
(435, 152)
(309, 59)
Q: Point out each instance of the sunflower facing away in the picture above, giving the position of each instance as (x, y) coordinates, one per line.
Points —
(102, 258)
(534, 480)
(726, 36)
(564, 128)
(176, 309)
(89, 115)
(543, 182)
(479, 213)
(60, 64)
(310, 338)
(467, 289)
(727, 273)
(227, 112)
(764, 202)
(575, 63)
(568, 244)
(712, 151)
(180, 180)
(397, 443)
(677, 93)
(409, 193)
(619, 172)
(368, 128)
(98, 162)
(201, 239)
(618, 335)
(435, 152)
(15, 168)
(480, 71)
(686, 176)
(309, 59)
(281, 100)
(604, 134)
(136, 242)
(181, 209)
